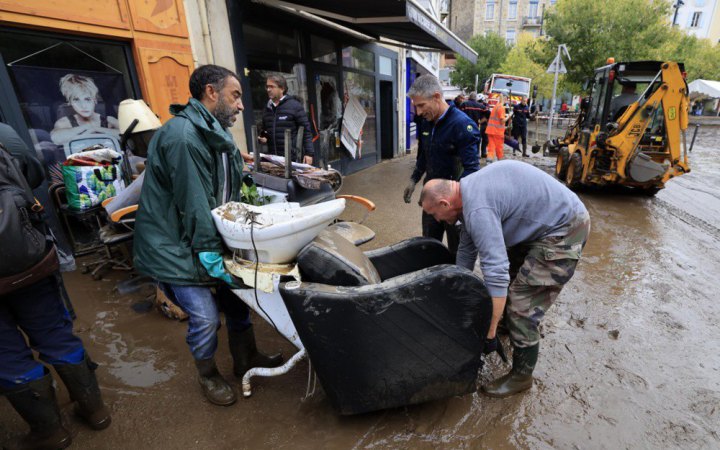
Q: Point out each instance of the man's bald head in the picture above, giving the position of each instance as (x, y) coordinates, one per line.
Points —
(442, 200)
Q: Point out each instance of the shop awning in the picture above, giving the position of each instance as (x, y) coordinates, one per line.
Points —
(399, 20)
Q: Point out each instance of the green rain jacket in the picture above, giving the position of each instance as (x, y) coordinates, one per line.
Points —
(184, 180)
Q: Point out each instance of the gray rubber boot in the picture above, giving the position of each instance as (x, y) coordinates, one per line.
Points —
(214, 386)
(246, 355)
(36, 404)
(82, 385)
(520, 376)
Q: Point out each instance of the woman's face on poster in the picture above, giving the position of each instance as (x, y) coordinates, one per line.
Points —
(84, 104)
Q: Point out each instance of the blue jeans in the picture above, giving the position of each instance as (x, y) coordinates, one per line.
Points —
(38, 310)
(204, 307)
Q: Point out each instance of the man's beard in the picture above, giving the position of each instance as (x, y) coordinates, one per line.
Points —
(224, 113)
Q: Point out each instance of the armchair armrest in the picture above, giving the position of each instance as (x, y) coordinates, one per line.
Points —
(408, 256)
(118, 216)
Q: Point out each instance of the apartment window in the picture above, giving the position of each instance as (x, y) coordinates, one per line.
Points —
(512, 10)
(533, 8)
(695, 20)
(490, 10)
(510, 37)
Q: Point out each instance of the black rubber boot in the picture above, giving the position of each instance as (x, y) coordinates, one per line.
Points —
(35, 402)
(246, 355)
(214, 386)
(525, 153)
(520, 376)
(82, 385)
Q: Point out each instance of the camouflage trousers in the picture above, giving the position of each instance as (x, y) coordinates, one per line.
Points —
(538, 272)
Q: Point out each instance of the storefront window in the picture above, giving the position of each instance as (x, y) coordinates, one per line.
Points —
(328, 115)
(385, 66)
(296, 82)
(323, 50)
(358, 59)
(68, 90)
(271, 40)
(363, 88)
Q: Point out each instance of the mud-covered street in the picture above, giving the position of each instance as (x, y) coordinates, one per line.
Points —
(629, 357)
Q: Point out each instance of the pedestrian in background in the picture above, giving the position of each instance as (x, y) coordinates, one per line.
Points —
(521, 114)
(447, 149)
(496, 130)
(284, 112)
(529, 231)
(33, 315)
(476, 111)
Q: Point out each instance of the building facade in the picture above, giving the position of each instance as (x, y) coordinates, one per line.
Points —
(700, 18)
(508, 18)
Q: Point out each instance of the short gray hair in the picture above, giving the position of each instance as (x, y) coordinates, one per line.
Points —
(425, 86)
(473, 96)
(279, 80)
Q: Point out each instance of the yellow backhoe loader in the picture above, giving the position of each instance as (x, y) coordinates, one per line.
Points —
(631, 130)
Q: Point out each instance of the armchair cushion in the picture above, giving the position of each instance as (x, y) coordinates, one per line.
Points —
(332, 259)
(410, 339)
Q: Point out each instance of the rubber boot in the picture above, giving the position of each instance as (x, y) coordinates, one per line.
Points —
(214, 386)
(36, 404)
(246, 355)
(525, 153)
(520, 376)
(82, 385)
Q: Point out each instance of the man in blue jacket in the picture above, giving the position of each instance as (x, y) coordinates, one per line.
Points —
(282, 112)
(447, 148)
(194, 166)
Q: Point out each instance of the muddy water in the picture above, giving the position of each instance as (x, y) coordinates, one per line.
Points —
(629, 357)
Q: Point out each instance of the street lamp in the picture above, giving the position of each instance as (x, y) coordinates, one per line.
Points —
(677, 6)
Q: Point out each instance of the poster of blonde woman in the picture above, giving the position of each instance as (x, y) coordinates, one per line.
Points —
(81, 119)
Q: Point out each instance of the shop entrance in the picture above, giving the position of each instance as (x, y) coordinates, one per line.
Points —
(386, 119)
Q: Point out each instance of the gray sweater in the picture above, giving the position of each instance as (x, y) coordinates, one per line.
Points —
(505, 204)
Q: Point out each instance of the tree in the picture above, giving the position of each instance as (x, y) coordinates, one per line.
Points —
(596, 30)
(492, 51)
(519, 62)
(701, 57)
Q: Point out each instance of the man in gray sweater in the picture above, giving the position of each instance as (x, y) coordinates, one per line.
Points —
(529, 231)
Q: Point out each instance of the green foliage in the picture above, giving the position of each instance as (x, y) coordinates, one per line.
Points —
(520, 62)
(596, 30)
(492, 51)
(251, 196)
(701, 57)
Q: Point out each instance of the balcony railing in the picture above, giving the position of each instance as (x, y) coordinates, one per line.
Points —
(528, 21)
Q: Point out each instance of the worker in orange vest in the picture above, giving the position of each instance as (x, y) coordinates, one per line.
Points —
(496, 130)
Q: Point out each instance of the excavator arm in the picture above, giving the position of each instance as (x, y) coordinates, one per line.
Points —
(672, 96)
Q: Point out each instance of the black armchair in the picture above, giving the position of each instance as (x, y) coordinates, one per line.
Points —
(390, 327)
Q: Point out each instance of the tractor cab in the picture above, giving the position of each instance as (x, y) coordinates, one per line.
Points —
(616, 86)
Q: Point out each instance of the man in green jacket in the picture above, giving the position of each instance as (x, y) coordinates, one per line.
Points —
(194, 166)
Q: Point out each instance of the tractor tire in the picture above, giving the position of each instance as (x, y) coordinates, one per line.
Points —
(574, 171)
(561, 164)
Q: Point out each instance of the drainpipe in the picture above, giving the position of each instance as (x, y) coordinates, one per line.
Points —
(202, 6)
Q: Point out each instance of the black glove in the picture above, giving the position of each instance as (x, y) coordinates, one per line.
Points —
(407, 194)
(494, 345)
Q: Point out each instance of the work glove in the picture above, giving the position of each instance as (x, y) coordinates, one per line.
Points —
(407, 195)
(494, 345)
(213, 263)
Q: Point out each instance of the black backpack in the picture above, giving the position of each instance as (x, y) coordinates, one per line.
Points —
(22, 228)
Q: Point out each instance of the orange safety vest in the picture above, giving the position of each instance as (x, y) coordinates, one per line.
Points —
(496, 124)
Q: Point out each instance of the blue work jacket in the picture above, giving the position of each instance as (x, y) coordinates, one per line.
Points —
(447, 148)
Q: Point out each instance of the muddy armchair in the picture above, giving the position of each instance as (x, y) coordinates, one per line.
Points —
(391, 327)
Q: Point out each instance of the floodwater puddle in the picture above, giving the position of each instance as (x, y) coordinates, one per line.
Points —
(131, 363)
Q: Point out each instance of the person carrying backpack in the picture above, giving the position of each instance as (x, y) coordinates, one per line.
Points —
(31, 306)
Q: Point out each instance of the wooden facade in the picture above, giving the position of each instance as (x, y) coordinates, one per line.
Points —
(156, 30)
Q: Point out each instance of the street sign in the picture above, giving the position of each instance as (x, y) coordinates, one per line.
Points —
(554, 65)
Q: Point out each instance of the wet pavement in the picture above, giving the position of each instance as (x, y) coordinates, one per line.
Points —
(629, 357)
